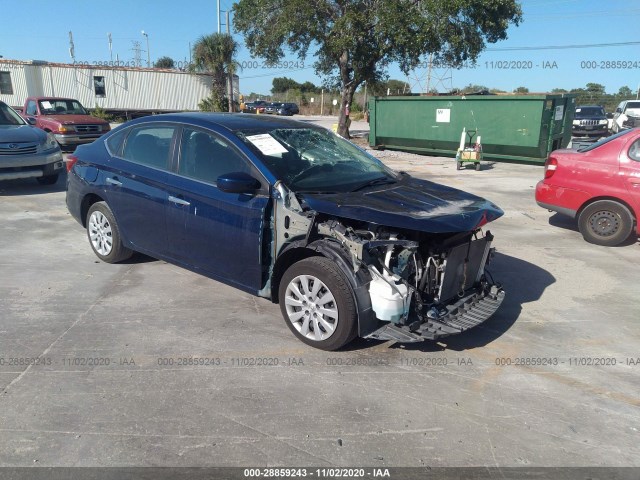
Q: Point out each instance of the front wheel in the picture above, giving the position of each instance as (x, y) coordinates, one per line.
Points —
(104, 234)
(317, 303)
(606, 223)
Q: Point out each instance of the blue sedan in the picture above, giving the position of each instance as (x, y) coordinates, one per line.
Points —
(294, 213)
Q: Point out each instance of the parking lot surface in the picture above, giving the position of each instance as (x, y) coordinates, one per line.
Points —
(145, 363)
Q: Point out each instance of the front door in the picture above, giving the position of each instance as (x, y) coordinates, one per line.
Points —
(213, 231)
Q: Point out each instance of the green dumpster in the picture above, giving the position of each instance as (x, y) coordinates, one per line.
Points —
(517, 128)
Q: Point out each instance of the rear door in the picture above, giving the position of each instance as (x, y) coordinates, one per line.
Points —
(210, 230)
(135, 185)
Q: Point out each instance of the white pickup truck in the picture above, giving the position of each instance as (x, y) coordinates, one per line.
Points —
(627, 115)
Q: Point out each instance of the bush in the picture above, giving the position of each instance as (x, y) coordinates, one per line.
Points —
(100, 112)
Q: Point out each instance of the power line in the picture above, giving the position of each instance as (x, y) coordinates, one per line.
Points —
(563, 47)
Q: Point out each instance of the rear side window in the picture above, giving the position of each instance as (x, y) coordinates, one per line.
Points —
(149, 146)
(31, 108)
(115, 142)
(634, 151)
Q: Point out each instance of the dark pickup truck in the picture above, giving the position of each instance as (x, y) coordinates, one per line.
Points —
(65, 118)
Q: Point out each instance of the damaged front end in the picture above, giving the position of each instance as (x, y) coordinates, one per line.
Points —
(410, 285)
(422, 287)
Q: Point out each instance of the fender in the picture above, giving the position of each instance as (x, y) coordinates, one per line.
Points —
(358, 281)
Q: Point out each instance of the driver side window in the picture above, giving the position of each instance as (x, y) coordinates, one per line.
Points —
(205, 157)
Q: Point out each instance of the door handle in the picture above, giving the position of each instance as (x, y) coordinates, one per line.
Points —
(633, 180)
(114, 181)
(178, 201)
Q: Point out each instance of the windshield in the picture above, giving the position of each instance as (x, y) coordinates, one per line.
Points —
(584, 112)
(632, 108)
(605, 140)
(316, 160)
(8, 116)
(61, 107)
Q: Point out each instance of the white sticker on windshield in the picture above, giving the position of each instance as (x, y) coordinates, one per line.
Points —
(267, 144)
(46, 104)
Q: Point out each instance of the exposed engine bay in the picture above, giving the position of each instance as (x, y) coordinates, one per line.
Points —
(420, 285)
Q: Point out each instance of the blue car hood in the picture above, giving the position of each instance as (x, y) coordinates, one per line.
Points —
(411, 204)
(21, 133)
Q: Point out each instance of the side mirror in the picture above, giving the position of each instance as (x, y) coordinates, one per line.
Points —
(618, 110)
(237, 182)
(31, 120)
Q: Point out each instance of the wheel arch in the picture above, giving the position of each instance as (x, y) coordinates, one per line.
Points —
(86, 204)
(358, 280)
(632, 211)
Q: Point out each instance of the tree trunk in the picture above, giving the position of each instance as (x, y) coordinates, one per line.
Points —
(346, 98)
(349, 86)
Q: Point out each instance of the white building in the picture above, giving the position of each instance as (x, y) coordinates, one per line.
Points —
(116, 89)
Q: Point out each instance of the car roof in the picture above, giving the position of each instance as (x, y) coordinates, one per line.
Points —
(230, 121)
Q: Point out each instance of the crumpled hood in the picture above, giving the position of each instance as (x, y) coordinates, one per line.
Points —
(21, 133)
(409, 204)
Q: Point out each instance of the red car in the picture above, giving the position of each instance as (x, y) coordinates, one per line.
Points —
(598, 185)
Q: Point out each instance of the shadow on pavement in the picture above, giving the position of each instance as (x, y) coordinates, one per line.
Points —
(30, 186)
(568, 223)
(523, 282)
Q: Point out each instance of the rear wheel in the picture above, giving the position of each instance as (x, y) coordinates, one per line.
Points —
(104, 234)
(48, 179)
(317, 303)
(605, 222)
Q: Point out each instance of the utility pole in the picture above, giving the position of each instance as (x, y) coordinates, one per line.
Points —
(72, 49)
(230, 71)
(148, 54)
(110, 47)
(426, 90)
(219, 25)
(136, 51)
(322, 102)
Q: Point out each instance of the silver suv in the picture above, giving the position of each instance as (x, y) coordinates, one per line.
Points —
(27, 151)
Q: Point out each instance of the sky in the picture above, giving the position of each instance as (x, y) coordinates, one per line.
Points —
(524, 59)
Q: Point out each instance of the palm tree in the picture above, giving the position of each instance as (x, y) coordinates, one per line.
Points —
(215, 54)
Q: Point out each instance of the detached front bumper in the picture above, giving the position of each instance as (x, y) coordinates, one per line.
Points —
(468, 312)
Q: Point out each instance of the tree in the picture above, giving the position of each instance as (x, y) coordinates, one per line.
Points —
(625, 92)
(392, 87)
(215, 54)
(164, 62)
(558, 90)
(472, 88)
(356, 40)
(521, 90)
(282, 84)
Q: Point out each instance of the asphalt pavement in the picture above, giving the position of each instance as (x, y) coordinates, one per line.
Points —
(148, 364)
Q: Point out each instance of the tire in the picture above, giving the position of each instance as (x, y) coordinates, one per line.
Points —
(606, 223)
(321, 285)
(48, 179)
(104, 235)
